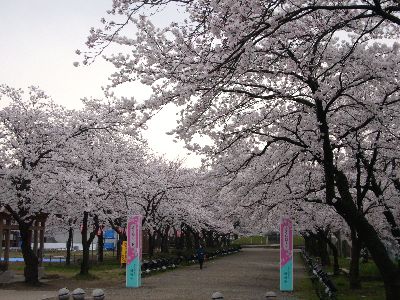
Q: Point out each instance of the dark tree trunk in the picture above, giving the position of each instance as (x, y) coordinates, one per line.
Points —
(210, 239)
(86, 242)
(116, 226)
(323, 251)
(311, 244)
(164, 240)
(218, 240)
(181, 241)
(196, 240)
(307, 243)
(69, 246)
(335, 254)
(151, 244)
(354, 275)
(121, 238)
(188, 240)
(31, 270)
(85, 246)
(119, 245)
(223, 240)
(346, 207)
(100, 247)
(176, 240)
(85, 258)
(368, 235)
(376, 188)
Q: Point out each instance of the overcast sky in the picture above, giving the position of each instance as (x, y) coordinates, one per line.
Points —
(37, 47)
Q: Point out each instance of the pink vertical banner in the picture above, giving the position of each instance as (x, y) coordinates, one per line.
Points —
(134, 251)
(286, 254)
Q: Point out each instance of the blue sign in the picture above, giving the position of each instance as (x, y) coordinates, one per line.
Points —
(109, 246)
(109, 234)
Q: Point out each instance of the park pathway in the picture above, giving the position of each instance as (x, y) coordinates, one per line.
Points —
(247, 275)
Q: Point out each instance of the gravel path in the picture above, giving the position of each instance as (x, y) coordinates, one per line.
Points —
(247, 275)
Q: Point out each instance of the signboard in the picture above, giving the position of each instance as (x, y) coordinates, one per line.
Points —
(134, 253)
(286, 254)
(123, 253)
(109, 246)
(109, 234)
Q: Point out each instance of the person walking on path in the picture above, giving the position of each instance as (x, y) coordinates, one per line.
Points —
(200, 256)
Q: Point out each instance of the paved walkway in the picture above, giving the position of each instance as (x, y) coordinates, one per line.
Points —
(247, 275)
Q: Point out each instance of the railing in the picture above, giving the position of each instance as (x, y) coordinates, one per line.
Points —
(324, 286)
(162, 264)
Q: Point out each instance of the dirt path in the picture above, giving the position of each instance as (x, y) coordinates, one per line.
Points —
(247, 275)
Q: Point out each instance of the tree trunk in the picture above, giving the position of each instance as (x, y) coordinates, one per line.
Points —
(164, 241)
(335, 254)
(100, 247)
(69, 246)
(196, 240)
(85, 246)
(323, 251)
(179, 240)
(307, 243)
(311, 244)
(188, 240)
(31, 270)
(176, 239)
(354, 275)
(346, 207)
(85, 258)
(86, 242)
(209, 239)
(368, 235)
(151, 244)
(119, 245)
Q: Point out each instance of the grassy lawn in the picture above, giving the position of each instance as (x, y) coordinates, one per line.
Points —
(261, 240)
(298, 241)
(303, 286)
(109, 268)
(250, 240)
(372, 285)
(304, 289)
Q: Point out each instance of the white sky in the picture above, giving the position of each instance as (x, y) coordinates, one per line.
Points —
(37, 47)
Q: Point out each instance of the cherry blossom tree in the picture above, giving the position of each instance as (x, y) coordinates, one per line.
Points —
(37, 137)
(303, 78)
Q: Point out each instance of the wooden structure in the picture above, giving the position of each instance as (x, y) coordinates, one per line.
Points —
(7, 224)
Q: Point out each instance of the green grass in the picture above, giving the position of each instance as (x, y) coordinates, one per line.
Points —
(97, 270)
(371, 289)
(304, 289)
(368, 270)
(298, 241)
(110, 267)
(250, 240)
(261, 240)
(372, 285)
